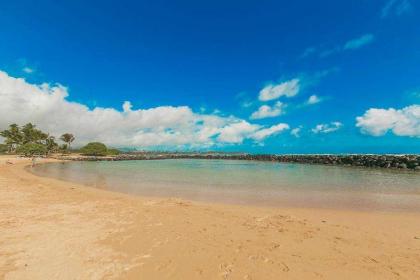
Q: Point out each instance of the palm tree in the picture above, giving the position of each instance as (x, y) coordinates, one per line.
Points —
(33, 135)
(13, 137)
(67, 138)
(50, 144)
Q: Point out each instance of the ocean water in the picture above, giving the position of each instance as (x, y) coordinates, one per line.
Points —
(249, 182)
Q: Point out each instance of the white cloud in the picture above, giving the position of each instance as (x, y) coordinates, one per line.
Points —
(327, 128)
(274, 91)
(352, 44)
(28, 70)
(266, 111)
(296, 131)
(236, 132)
(396, 7)
(313, 99)
(47, 106)
(359, 42)
(403, 122)
(265, 132)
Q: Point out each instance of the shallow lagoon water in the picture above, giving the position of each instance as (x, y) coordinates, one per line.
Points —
(249, 182)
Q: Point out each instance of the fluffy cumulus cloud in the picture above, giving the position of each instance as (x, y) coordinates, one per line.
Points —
(166, 126)
(403, 122)
(327, 127)
(274, 91)
(266, 111)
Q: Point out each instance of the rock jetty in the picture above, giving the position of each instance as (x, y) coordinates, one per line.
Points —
(407, 162)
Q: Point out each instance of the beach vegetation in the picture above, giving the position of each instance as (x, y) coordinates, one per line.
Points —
(13, 137)
(51, 145)
(32, 149)
(30, 134)
(29, 140)
(3, 148)
(113, 152)
(67, 138)
(94, 149)
(64, 149)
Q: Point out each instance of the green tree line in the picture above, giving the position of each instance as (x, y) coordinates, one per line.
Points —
(29, 141)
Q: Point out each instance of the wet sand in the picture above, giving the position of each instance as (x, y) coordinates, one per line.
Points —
(51, 229)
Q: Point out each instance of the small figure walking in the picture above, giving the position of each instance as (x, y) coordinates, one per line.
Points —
(33, 161)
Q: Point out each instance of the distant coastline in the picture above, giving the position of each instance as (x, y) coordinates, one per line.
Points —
(399, 162)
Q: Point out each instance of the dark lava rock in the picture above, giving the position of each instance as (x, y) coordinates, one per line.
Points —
(411, 162)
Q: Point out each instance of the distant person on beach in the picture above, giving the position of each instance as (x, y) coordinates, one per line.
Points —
(33, 161)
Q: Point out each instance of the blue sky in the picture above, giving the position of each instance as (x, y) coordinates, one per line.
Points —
(280, 76)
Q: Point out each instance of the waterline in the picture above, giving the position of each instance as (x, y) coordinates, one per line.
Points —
(249, 182)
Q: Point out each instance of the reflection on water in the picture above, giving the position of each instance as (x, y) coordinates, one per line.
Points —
(249, 182)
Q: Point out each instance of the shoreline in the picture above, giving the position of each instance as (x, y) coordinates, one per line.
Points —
(354, 200)
(57, 229)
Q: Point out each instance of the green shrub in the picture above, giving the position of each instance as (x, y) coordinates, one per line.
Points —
(3, 149)
(94, 149)
(31, 149)
(63, 149)
(113, 152)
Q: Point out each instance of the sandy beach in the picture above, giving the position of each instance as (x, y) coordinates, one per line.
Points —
(51, 229)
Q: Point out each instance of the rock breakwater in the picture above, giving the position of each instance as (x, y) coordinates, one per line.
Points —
(411, 162)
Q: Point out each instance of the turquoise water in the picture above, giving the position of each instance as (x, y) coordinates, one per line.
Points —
(248, 182)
